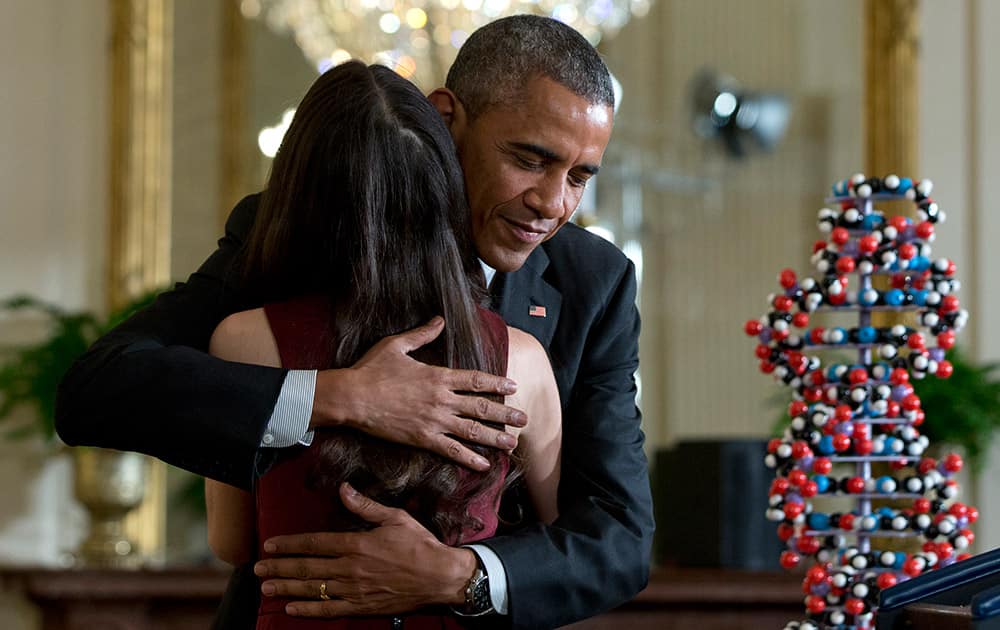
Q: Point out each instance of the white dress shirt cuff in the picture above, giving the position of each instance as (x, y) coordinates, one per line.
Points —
(289, 423)
(498, 576)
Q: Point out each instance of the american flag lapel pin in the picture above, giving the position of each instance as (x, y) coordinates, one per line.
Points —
(536, 311)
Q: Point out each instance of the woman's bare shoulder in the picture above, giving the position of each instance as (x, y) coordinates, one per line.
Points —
(525, 355)
(245, 337)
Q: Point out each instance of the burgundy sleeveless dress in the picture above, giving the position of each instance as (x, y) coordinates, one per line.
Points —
(286, 504)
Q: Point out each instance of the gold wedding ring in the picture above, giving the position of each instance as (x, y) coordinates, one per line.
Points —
(322, 591)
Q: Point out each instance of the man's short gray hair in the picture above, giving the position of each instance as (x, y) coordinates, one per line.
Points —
(499, 59)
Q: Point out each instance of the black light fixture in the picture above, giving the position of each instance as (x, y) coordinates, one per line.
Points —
(741, 119)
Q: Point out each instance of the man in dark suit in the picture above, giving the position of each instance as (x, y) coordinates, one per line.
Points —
(529, 104)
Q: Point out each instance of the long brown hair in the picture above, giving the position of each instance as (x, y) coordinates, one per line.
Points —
(365, 204)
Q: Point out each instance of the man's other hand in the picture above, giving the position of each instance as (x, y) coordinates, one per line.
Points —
(391, 395)
(397, 567)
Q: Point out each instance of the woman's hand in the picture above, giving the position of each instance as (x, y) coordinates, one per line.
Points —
(391, 395)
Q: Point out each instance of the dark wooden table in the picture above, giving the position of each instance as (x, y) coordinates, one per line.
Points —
(185, 598)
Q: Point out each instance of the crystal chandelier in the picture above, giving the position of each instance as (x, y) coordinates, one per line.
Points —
(419, 38)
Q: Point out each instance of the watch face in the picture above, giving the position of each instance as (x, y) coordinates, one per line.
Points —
(477, 595)
(481, 595)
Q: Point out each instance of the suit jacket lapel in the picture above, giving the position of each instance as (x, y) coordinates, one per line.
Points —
(526, 288)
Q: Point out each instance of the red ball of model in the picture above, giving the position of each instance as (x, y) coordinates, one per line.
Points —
(815, 604)
(857, 376)
(812, 394)
(753, 327)
(773, 444)
(766, 367)
(949, 303)
(790, 559)
(780, 486)
(899, 464)
(816, 574)
(926, 465)
(913, 567)
(886, 580)
(863, 446)
(945, 369)
(911, 402)
(783, 303)
(842, 413)
(845, 264)
(855, 485)
(973, 514)
(841, 442)
(839, 235)
(816, 377)
(787, 278)
(953, 462)
(846, 521)
(925, 230)
(907, 251)
(946, 339)
(809, 489)
(898, 221)
(797, 408)
(898, 376)
(822, 466)
(807, 544)
(800, 320)
(797, 477)
(800, 449)
(916, 341)
(816, 335)
(868, 244)
(785, 531)
(944, 549)
(793, 510)
(922, 505)
(762, 351)
(854, 606)
(958, 510)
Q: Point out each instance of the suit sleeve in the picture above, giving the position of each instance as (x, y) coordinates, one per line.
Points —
(149, 386)
(597, 554)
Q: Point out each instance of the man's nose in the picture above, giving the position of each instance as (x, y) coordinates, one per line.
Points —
(548, 197)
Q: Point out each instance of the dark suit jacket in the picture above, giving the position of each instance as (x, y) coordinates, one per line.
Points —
(148, 386)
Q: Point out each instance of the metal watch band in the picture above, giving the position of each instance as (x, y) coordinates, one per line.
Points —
(477, 596)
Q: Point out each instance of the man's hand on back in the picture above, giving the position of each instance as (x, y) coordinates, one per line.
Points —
(397, 567)
(390, 395)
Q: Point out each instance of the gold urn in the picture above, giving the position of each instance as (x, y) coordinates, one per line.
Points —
(109, 484)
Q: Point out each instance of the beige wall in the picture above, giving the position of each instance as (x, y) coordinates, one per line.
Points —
(53, 169)
(960, 150)
(712, 257)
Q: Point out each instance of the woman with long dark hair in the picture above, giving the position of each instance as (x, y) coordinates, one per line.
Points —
(363, 233)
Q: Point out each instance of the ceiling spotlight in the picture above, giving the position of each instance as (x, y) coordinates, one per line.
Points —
(741, 119)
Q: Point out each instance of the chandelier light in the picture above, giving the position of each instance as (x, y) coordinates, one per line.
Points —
(419, 38)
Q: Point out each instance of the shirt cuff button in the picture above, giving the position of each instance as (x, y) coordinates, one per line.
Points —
(268, 438)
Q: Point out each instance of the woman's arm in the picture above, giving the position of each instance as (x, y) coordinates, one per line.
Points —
(541, 440)
(243, 338)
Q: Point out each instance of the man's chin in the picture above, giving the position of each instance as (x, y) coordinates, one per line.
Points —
(506, 261)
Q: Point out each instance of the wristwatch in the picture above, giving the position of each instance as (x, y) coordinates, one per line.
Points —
(477, 595)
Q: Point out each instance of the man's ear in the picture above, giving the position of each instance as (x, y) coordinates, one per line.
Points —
(450, 108)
